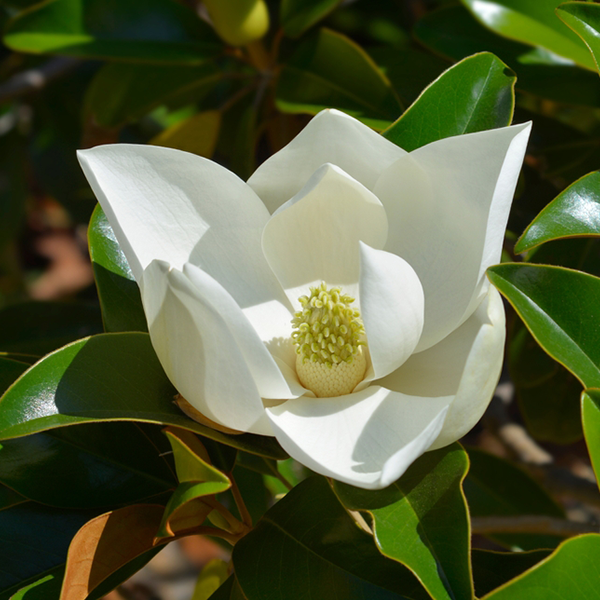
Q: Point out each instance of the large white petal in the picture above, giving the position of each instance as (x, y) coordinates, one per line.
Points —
(367, 438)
(314, 236)
(391, 303)
(170, 205)
(447, 205)
(465, 365)
(330, 137)
(199, 353)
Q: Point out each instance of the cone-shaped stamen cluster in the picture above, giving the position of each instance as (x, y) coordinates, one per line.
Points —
(327, 334)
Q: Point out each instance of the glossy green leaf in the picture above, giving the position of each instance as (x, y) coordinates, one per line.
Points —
(574, 212)
(161, 31)
(10, 371)
(548, 394)
(475, 94)
(307, 543)
(532, 22)
(492, 569)
(118, 291)
(453, 32)
(197, 478)
(120, 93)
(495, 487)
(329, 70)
(572, 571)
(559, 307)
(40, 327)
(34, 540)
(298, 15)
(46, 588)
(422, 521)
(584, 19)
(90, 466)
(590, 416)
(114, 377)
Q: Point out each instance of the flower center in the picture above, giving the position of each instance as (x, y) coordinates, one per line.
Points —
(330, 361)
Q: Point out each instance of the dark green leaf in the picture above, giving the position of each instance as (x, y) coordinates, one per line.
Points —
(590, 416)
(572, 571)
(40, 327)
(574, 212)
(308, 546)
(475, 94)
(454, 33)
(329, 70)
(10, 370)
(90, 466)
(548, 394)
(121, 93)
(118, 291)
(34, 540)
(114, 377)
(560, 307)
(230, 590)
(495, 487)
(160, 31)
(298, 15)
(584, 19)
(422, 521)
(492, 569)
(532, 22)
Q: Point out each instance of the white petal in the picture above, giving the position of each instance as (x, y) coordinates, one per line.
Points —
(269, 380)
(392, 304)
(367, 438)
(314, 237)
(466, 365)
(198, 352)
(330, 137)
(170, 205)
(447, 205)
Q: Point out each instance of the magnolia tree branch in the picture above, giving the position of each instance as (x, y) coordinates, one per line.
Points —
(33, 80)
(531, 524)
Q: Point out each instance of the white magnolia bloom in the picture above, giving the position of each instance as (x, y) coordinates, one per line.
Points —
(224, 267)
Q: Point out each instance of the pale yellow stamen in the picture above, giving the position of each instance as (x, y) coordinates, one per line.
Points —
(328, 336)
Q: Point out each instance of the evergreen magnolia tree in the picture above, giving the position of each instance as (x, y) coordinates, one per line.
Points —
(346, 309)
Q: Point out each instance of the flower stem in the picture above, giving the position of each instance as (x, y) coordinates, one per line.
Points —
(241, 505)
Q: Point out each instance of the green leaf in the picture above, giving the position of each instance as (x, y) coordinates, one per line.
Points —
(33, 543)
(90, 466)
(108, 377)
(160, 31)
(572, 571)
(548, 394)
(495, 487)
(299, 15)
(45, 588)
(197, 478)
(453, 32)
(560, 307)
(590, 416)
(10, 370)
(574, 212)
(212, 576)
(40, 327)
(422, 521)
(307, 543)
(473, 95)
(532, 22)
(584, 19)
(230, 590)
(121, 93)
(329, 70)
(118, 291)
(492, 569)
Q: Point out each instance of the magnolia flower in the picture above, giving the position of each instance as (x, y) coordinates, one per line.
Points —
(337, 300)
